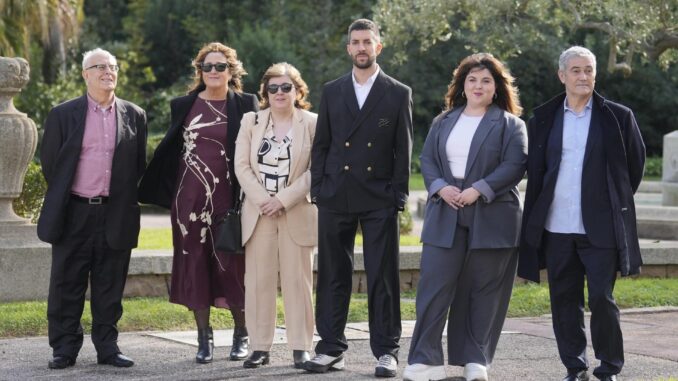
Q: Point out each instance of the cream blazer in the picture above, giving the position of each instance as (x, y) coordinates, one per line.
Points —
(302, 216)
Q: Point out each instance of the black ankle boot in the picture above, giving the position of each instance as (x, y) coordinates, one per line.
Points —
(300, 357)
(240, 348)
(205, 346)
(257, 359)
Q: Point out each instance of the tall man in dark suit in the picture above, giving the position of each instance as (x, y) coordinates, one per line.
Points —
(93, 154)
(585, 162)
(360, 166)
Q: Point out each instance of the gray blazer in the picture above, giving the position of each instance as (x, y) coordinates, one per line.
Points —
(496, 164)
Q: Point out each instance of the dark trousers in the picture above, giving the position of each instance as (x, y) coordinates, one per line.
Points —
(336, 235)
(570, 258)
(474, 286)
(83, 255)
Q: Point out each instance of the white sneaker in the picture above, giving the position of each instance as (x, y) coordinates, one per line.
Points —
(475, 372)
(423, 372)
(387, 366)
(322, 363)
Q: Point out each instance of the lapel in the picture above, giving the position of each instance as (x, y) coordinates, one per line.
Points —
(376, 93)
(79, 119)
(595, 131)
(486, 125)
(554, 141)
(447, 123)
(348, 94)
(258, 130)
(121, 121)
(298, 139)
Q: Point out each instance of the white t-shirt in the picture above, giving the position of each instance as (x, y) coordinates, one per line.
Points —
(459, 143)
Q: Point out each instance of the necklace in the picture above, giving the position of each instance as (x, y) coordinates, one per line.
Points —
(217, 113)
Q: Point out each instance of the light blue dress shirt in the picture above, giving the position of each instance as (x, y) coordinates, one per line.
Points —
(564, 215)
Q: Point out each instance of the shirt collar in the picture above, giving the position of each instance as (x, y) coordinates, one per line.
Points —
(588, 107)
(96, 107)
(369, 81)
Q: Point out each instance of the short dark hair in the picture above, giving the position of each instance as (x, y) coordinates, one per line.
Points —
(364, 24)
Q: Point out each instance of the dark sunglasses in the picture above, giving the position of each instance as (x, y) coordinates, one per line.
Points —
(207, 67)
(285, 87)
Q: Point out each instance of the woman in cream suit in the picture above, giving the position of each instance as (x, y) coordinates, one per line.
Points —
(279, 223)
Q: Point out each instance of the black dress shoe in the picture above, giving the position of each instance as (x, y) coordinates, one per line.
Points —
(609, 377)
(300, 357)
(577, 376)
(60, 362)
(118, 360)
(257, 359)
(240, 348)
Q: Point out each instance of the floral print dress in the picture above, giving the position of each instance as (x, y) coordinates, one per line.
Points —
(201, 276)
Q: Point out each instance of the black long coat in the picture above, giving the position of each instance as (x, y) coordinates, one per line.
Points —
(157, 185)
(614, 161)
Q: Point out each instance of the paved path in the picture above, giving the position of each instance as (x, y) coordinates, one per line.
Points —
(526, 351)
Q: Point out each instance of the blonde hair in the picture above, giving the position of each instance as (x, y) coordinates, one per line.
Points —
(278, 70)
(234, 66)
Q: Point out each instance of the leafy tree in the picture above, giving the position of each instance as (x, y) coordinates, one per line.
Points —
(508, 27)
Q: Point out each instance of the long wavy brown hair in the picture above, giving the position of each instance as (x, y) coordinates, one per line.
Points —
(506, 92)
(278, 70)
(234, 66)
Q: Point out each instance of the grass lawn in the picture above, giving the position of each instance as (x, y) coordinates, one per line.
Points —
(21, 319)
(161, 238)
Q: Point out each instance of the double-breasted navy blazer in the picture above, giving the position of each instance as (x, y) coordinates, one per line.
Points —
(495, 166)
(614, 161)
(157, 185)
(360, 159)
(59, 157)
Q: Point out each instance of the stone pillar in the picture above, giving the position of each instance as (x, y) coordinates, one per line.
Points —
(24, 260)
(18, 137)
(670, 170)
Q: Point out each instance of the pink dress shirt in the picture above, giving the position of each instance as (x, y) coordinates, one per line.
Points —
(93, 175)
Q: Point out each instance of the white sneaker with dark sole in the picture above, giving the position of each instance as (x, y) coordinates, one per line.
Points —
(321, 363)
(387, 366)
(423, 372)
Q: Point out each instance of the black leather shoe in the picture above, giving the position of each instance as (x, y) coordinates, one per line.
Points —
(577, 376)
(300, 357)
(60, 362)
(118, 360)
(257, 359)
(205, 346)
(609, 377)
(240, 348)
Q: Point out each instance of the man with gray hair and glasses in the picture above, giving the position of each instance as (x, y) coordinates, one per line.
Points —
(93, 154)
(586, 160)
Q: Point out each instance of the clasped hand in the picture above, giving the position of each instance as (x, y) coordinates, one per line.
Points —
(456, 198)
(271, 207)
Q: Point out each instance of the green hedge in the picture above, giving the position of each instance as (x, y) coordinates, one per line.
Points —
(30, 201)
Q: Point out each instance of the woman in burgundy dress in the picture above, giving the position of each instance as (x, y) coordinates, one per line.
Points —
(191, 174)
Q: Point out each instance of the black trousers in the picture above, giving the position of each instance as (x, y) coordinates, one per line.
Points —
(570, 258)
(83, 255)
(336, 236)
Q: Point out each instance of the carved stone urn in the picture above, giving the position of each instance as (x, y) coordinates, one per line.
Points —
(18, 137)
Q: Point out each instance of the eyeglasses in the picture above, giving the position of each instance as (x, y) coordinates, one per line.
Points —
(207, 67)
(285, 87)
(103, 67)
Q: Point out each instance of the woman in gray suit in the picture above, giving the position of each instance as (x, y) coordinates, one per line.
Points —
(472, 161)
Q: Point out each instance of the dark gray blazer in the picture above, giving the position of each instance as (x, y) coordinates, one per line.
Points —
(495, 166)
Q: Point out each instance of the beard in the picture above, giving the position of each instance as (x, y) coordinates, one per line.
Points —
(367, 64)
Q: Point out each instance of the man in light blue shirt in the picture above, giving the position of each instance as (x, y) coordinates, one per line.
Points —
(585, 162)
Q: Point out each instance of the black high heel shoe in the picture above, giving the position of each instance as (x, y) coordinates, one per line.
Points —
(300, 357)
(257, 359)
